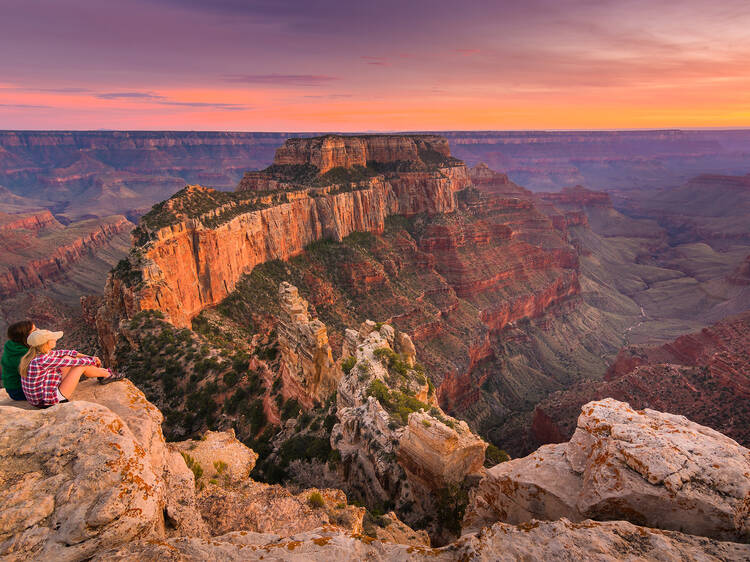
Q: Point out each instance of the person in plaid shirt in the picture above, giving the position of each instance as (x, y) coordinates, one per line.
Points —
(49, 376)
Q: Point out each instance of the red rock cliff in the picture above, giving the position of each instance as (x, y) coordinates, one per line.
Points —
(334, 151)
(196, 262)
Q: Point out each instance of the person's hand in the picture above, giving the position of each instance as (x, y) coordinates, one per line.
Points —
(98, 361)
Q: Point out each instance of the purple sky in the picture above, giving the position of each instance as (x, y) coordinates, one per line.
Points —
(345, 65)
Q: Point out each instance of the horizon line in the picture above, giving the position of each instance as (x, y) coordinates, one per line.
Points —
(383, 132)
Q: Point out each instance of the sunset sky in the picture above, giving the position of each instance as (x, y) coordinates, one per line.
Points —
(376, 65)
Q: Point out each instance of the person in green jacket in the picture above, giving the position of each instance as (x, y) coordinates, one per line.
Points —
(15, 348)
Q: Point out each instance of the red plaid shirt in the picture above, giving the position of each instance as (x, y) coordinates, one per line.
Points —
(40, 384)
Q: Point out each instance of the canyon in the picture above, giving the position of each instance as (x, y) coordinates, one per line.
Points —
(47, 266)
(703, 376)
(376, 320)
(492, 281)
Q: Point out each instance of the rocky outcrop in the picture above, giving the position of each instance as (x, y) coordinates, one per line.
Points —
(220, 457)
(262, 508)
(334, 151)
(64, 506)
(126, 495)
(67, 503)
(37, 250)
(437, 454)
(70, 503)
(397, 446)
(197, 259)
(646, 467)
(538, 540)
(309, 372)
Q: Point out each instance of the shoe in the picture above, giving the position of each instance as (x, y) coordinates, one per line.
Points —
(113, 376)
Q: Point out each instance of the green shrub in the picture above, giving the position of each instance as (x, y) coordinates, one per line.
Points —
(394, 361)
(231, 378)
(315, 500)
(220, 466)
(494, 455)
(291, 409)
(193, 465)
(398, 404)
(348, 364)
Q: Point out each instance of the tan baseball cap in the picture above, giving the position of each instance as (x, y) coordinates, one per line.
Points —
(40, 337)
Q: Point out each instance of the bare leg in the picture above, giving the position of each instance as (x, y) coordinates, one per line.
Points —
(71, 376)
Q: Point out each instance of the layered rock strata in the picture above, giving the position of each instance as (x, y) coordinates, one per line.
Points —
(36, 249)
(307, 359)
(705, 375)
(332, 151)
(196, 260)
(646, 467)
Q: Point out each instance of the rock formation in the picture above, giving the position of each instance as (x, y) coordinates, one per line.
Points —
(305, 352)
(577, 196)
(540, 540)
(646, 467)
(220, 456)
(69, 502)
(741, 275)
(199, 244)
(331, 151)
(129, 495)
(397, 446)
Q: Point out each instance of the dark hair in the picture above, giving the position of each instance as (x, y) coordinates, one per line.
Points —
(19, 331)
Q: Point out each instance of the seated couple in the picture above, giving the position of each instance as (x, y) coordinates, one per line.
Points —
(34, 370)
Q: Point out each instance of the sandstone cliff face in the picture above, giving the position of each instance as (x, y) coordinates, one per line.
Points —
(307, 359)
(650, 468)
(334, 151)
(190, 265)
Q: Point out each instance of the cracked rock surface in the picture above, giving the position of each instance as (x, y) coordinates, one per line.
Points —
(646, 467)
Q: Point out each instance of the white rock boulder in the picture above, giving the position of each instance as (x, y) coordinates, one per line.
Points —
(646, 467)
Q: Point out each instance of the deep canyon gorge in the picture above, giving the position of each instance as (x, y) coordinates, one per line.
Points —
(391, 318)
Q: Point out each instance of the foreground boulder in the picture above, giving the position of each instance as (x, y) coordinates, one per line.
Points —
(646, 467)
(538, 540)
(75, 481)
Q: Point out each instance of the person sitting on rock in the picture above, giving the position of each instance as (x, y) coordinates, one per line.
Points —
(49, 376)
(15, 348)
